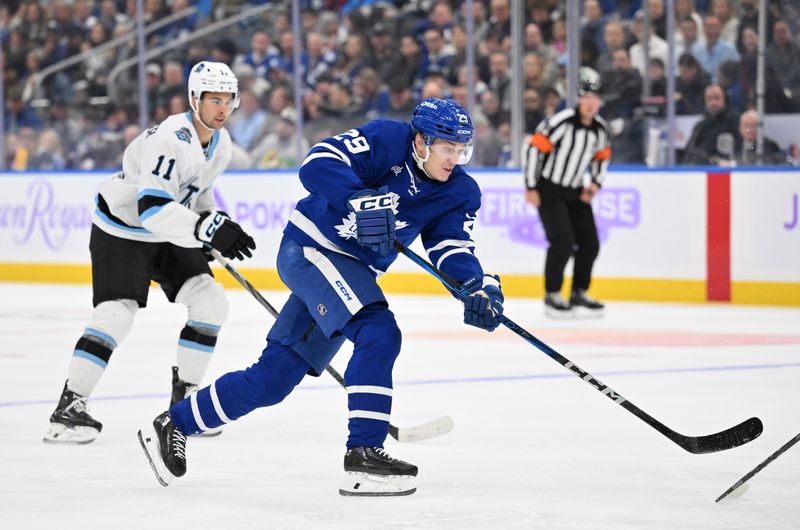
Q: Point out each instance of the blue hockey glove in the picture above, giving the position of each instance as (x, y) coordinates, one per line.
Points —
(482, 308)
(375, 219)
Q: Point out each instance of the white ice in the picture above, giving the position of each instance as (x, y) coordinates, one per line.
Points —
(533, 445)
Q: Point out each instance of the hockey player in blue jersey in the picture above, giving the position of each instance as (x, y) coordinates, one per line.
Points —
(367, 187)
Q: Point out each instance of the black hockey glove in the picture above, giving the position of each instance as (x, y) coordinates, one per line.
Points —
(485, 305)
(216, 229)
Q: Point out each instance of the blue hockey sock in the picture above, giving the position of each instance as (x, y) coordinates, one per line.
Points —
(265, 383)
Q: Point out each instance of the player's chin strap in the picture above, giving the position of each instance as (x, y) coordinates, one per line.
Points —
(421, 161)
(199, 119)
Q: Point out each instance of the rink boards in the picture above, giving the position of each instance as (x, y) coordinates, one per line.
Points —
(686, 236)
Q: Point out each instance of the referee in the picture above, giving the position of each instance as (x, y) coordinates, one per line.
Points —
(565, 163)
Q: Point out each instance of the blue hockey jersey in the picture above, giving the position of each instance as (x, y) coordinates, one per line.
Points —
(372, 156)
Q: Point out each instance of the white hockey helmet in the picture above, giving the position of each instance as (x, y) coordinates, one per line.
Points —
(207, 76)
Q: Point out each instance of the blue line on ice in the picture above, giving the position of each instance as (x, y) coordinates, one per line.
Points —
(452, 381)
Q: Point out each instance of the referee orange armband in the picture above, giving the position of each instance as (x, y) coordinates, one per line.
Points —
(603, 154)
(541, 142)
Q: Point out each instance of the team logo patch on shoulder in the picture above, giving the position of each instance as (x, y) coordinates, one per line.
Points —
(184, 135)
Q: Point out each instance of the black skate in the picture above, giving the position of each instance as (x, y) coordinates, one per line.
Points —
(165, 447)
(586, 306)
(71, 422)
(556, 307)
(370, 471)
(180, 391)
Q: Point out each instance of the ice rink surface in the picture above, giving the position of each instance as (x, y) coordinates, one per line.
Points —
(533, 445)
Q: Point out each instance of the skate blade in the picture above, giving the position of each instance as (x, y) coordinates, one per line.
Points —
(586, 313)
(558, 314)
(152, 450)
(61, 434)
(366, 485)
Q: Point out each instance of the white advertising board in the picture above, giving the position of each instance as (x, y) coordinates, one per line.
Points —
(765, 230)
(651, 225)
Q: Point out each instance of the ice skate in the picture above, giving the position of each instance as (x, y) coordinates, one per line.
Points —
(584, 306)
(71, 422)
(181, 390)
(371, 472)
(556, 307)
(165, 447)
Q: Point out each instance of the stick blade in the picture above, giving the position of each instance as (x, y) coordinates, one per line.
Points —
(432, 429)
(747, 431)
(737, 490)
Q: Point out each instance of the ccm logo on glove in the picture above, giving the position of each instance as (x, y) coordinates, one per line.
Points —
(230, 239)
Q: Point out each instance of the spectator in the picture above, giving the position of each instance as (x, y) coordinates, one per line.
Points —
(689, 36)
(279, 98)
(718, 120)
(658, 46)
(783, 56)
(593, 22)
(685, 9)
(613, 40)
(18, 113)
(396, 102)
(746, 144)
(714, 51)
(726, 14)
(382, 52)
(532, 105)
(365, 92)
(49, 152)
(559, 41)
(246, 125)
(500, 19)
(152, 83)
(279, 148)
(749, 19)
(408, 64)
(658, 18)
(224, 51)
(728, 78)
(316, 59)
(533, 75)
(500, 82)
(541, 16)
(439, 53)
(351, 61)
(490, 108)
(173, 84)
(690, 86)
(535, 43)
(261, 51)
(622, 88)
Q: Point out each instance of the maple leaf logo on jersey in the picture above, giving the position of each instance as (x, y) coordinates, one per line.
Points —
(347, 229)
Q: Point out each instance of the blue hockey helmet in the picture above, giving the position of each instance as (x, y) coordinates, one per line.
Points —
(444, 119)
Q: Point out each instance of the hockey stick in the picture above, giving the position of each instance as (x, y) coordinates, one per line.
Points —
(431, 429)
(758, 468)
(727, 439)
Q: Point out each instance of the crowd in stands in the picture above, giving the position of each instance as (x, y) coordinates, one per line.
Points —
(365, 59)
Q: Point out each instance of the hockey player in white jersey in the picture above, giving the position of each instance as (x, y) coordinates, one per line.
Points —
(151, 223)
(384, 181)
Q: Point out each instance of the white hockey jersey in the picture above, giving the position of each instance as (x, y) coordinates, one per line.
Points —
(164, 184)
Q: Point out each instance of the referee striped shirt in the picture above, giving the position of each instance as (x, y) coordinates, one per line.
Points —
(567, 153)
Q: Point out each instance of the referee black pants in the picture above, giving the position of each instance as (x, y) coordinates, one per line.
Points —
(569, 225)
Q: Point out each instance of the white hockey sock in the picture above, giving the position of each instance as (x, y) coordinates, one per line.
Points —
(84, 375)
(89, 361)
(195, 348)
